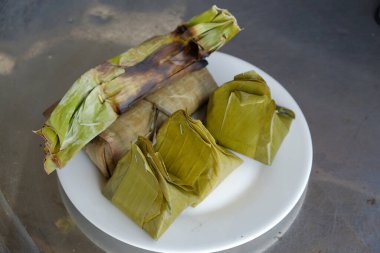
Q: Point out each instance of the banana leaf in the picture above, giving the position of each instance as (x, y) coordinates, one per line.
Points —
(242, 116)
(152, 185)
(101, 94)
(141, 188)
(193, 159)
(143, 118)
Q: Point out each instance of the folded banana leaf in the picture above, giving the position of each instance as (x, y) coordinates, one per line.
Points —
(242, 116)
(141, 188)
(188, 93)
(101, 94)
(193, 159)
(153, 185)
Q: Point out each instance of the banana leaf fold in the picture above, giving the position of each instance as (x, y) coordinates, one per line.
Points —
(143, 118)
(101, 94)
(140, 189)
(152, 185)
(242, 116)
(193, 159)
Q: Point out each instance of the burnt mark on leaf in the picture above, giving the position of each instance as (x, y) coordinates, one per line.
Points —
(180, 30)
(147, 76)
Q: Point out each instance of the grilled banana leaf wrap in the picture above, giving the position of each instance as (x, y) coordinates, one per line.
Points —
(147, 115)
(101, 94)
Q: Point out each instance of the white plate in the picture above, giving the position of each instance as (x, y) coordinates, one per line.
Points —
(252, 200)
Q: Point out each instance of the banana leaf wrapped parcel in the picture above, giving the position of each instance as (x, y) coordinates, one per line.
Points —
(193, 158)
(141, 189)
(242, 116)
(143, 118)
(153, 184)
(101, 94)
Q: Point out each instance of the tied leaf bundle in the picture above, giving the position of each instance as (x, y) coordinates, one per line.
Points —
(141, 189)
(101, 94)
(144, 117)
(242, 116)
(194, 160)
(153, 185)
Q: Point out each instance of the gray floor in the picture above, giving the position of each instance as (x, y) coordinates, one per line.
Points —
(326, 54)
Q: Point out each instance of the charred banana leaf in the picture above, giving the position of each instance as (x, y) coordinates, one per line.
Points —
(101, 94)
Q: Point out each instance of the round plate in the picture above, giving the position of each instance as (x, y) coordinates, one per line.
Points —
(249, 202)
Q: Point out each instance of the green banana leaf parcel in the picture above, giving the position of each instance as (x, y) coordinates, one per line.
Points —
(193, 159)
(141, 191)
(152, 185)
(242, 116)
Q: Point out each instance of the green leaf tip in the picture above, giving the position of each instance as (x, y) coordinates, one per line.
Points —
(213, 28)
